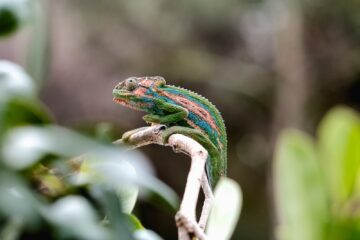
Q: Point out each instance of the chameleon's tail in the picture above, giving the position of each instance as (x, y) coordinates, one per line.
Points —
(209, 173)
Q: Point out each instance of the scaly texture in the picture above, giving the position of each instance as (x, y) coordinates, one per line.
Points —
(184, 111)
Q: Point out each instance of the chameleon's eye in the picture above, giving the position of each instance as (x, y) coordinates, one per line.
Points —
(130, 84)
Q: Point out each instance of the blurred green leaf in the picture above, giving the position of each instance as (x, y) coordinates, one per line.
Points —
(18, 105)
(75, 217)
(25, 146)
(105, 168)
(12, 229)
(301, 199)
(104, 132)
(112, 208)
(137, 225)
(14, 81)
(339, 142)
(145, 234)
(38, 55)
(225, 210)
(12, 15)
(100, 172)
(19, 112)
(128, 194)
(9, 21)
(17, 200)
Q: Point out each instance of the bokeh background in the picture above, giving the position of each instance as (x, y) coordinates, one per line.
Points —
(266, 64)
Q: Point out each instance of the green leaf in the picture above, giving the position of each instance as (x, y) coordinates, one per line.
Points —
(18, 103)
(301, 200)
(15, 82)
(25, 146)
(112, 208)
(135, 222)
(21, 112)
(339, 142)
(225, 211)
(145, 234)
(17, 201)
(74, 216)
(128, 194)
(12, 14)
(93, 171)
(12, 229)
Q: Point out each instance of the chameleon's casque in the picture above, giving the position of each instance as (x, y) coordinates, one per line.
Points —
(196, 116)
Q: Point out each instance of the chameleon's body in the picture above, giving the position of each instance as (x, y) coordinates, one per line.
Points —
(183, 111)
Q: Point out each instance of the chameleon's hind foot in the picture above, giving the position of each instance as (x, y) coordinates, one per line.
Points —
(190, 225)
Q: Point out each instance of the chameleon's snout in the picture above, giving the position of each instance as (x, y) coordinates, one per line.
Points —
(119, 86)
(121, 90)
(118, 92)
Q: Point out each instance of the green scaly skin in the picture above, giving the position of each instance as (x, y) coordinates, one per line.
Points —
(183, 112)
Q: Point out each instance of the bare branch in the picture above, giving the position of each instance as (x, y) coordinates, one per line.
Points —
(186, 216)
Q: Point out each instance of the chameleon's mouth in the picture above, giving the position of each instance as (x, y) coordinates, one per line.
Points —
(119, 100)
(126, 103)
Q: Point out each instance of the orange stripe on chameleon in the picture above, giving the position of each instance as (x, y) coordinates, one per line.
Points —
(140, 91)
(193, 107)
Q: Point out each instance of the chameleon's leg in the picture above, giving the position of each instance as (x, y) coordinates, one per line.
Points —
(175, 113)
(209, 197)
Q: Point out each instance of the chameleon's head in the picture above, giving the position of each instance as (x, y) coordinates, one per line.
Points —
(133, 92)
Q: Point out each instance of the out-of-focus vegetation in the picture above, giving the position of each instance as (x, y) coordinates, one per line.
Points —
(45, 193)
(58, 184)
(13, 14)
(317, 182)
(266, 64)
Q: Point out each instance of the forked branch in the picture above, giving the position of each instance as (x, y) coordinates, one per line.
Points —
(186, 217)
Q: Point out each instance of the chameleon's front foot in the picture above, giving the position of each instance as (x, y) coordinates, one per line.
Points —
(125, 138)
(190, 225)
(141, 136)
(151, 118)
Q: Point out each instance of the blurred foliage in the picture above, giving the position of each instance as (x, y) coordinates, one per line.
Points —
(13, 13)
(317, 183)
(225, 210)
(45, 182)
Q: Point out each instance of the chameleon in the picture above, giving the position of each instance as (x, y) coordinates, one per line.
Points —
(182, 111)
